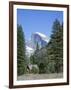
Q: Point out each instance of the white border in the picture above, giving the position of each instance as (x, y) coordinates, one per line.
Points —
(27, 82)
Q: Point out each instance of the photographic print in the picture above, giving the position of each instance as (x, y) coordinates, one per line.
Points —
(39, 41)
(39, 44)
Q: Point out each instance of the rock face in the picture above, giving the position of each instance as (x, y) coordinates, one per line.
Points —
(39, 38)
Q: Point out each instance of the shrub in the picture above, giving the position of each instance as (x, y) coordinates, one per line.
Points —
(35, 70)
(42, 68)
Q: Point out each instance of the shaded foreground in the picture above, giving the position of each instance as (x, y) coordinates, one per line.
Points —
(40, 76)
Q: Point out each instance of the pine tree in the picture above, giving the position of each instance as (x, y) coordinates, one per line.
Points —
(55, 48)
(21, 65)
(37, 48)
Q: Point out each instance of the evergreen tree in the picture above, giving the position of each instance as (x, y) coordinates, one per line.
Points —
(37, 48)
(21, 63)
(33, 58)
(55, 48)
(50, 58)
(40, 58)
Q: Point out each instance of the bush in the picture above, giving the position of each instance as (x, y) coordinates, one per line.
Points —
(51, 68)
(42, 68)
(35, 70)
(21, 71)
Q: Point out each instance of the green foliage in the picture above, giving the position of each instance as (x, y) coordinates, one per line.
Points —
(35, 70)
(51, 67)
(55, 47)
(32, 59)
(42, 68)
(21, 63)
(40, 58)
(50, 58)
(37, 47)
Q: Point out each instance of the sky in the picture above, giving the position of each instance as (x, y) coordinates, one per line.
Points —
(37, 21)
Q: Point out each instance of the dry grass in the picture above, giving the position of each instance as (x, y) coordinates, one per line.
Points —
(39, 76)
